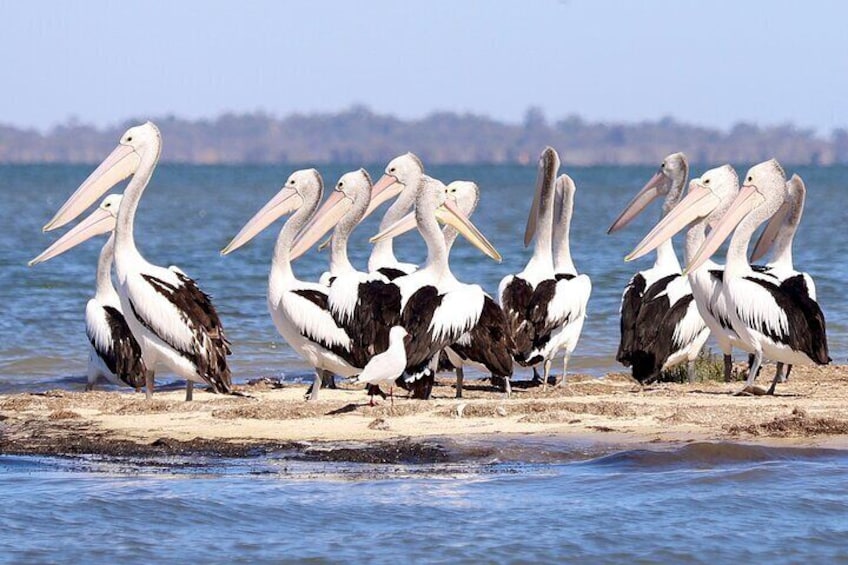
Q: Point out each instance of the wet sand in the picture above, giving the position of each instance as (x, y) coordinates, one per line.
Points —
(810, 410)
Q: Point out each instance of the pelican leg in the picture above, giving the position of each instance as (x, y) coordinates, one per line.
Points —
(312, 393)
(561, 381)
(728, 368)
(690, 371)
(778, 375)
(328, 379)
(786, 376)
(536, 377)
(460, 376)
(89, 386)
(547, 374)
(189, 391)
(754, 369)
(148, 385)
(751, 362)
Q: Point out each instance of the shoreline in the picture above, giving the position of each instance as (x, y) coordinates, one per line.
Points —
(603, 414)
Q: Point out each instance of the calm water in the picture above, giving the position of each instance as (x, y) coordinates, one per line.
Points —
(533, 499)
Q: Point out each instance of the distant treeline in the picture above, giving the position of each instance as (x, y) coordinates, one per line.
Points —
(358, 135)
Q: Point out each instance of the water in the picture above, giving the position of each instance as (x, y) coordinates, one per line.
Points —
(190, 212)
(524, 499)
(702, 503)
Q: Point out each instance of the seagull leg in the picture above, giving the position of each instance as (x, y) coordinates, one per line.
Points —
(728, 368)
(507, 387)
(460, 376)
(189, 391)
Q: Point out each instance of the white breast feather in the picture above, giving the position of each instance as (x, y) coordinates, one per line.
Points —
(97, 327)
(312, 320)
(757, 308)
(570, 300)
(169, 322)
(459, 312)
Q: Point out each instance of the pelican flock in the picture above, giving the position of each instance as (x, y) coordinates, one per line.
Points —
(396, 323)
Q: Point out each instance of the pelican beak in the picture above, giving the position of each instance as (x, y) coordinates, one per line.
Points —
(323, 221)
(400, 227)
(648, 194)
(769, 234)
(284, 202)
(120, 164)
(385, 189)
(747, 199)
(700, 202)
(98, 222)
(447, 214)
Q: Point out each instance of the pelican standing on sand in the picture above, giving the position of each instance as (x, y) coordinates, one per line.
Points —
(488, 344)
(536, 305)
(435, 309)
(114, 354)
(778, 236)
(172, 319)
(300, 309)
(776, 320)
(660, 322)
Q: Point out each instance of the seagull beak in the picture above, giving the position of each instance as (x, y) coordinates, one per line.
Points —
(700, 202)
(747, 199)
(648, 194)
(285, 202)
(323, 221)
(98, 222)
(121, 163)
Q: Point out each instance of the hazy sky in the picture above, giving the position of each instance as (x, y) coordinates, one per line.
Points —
(707, 62)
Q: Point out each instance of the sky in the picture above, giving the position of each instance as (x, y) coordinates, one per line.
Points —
(712, 63)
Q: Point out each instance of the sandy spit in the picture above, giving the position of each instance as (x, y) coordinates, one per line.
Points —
(810, 410)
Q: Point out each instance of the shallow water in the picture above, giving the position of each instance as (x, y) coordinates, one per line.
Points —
(190, 212)
(573, 502)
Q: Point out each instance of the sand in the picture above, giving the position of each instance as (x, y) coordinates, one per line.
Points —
(810, 410)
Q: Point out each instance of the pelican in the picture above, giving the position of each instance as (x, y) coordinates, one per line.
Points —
(384, 368)
(299, 309)
(114, 354)
(660, 322)
(534, 310)
(572, 291)
(778, 236)
(173, 321)
(487, 345)
(349, 290)
(435, 308)
(776, 320)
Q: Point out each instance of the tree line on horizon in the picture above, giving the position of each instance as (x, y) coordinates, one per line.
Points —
(358, 135)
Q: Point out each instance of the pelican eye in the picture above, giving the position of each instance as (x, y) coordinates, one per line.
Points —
(129, 138)
(707, 181)
(662, 166)
(750, 179)
(393, 169)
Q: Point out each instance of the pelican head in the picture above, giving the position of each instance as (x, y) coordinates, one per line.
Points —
(102, 220)
(401, 171)
(466, 194)
(352, 192)
(305, 185)
(709, 197)
(667, 182)
(785, 221)
(763, 192)
(432, 199)
(120, 164)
